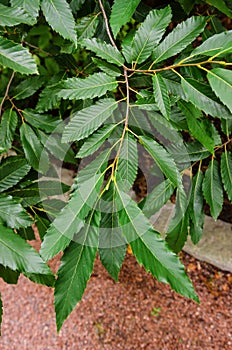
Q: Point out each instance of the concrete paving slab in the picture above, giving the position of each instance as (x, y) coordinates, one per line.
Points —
(215, 246)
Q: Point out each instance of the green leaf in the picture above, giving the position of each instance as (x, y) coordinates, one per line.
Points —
(76, 268)
(46, 122)
(12, 213)
(86, 121)
(226, 125)
(149, 248)
(16, 57)
(221, 6)
(17, 254)
(215, 45)
(8, 275)
(128, 162)
(106, 67)
(121, 13)
(28, 87)
(188, 152)
(212, 188)
(59, 16)
(48, 98)
(196, 207)
(7, 129)
(31, 7)
(70, 220)
(103, 50)
(112, 244)
(149, 34)
(163, 159)
(11, 16)
(27, 233)
(94, 142)
(12, 171)
(87, 27)
(161, 95)
(158, 198)
(221, 83)
(198, 128)
(34, 152)
(178, 228)
(53, 144)
(179, 38)
(226, 172)
(203, 98)
(95, 85)
(187, 5)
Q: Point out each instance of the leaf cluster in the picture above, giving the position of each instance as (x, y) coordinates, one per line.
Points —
(103, 89)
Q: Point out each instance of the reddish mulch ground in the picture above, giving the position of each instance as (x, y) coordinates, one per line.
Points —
(136, 313)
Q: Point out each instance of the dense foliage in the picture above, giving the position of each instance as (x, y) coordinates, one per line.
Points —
(99, 87)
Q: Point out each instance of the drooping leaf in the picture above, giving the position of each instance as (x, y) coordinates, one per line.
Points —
(221, 6)
(127, 167)
(45, 122)
(121, 13)
(76, 5)
(17, 254)
(226, 125)
(203, 98)
(28, 87)
(31, 7)
(48, 98)
(188, 152)
(196, 207)
(27, 233)
(112, 244)
(106, 67)
(70, 220)
(12, 171)
(197, 127)
(11, 16)
(187, 5)
(7, 129)
(179, 38)
(16, 57)
(149, 248)
(161, 95)
(60, 150)
(104, 50)
(221, 83)
(149, 34)
(35, 154)
(178, 228)
(158, 198)
(214, 45)
(226, 172)
(87, 27)
(94, 141)
(84, 122)
(12, 213)
(76, 269)
(59, 16)
(212, 188)
(95, 85)
(163, 159)
(8, 275)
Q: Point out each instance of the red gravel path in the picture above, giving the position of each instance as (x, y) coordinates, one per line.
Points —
(119, 315)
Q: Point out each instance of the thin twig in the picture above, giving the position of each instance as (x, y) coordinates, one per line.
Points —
(107, 24)
(37, 48)
(7, 91)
